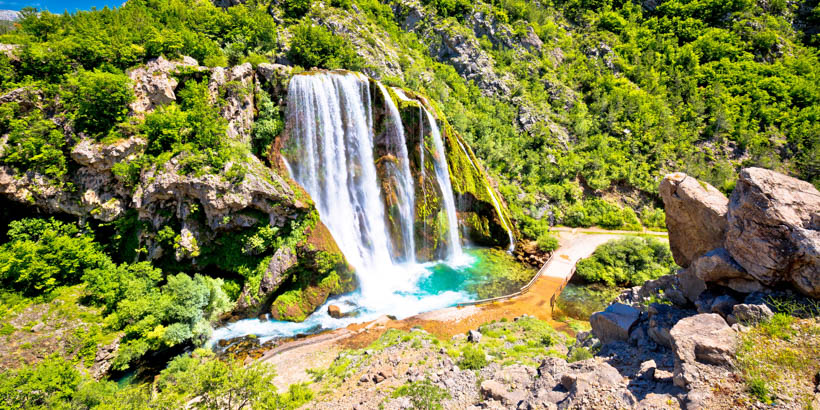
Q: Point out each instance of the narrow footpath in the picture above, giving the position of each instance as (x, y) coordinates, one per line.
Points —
(294, 359)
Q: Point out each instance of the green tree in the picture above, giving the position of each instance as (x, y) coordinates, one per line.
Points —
(43, 254)
(100, 100)
(316, 46)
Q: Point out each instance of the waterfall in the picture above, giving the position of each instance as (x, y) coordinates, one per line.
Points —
(443, 177)
(396, 143)
(331, 157)
(335, 154)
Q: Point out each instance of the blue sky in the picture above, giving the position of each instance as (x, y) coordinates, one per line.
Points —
(58, 6)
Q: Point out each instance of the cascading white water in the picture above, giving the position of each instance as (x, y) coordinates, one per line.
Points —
(397, 144)
(331, 155)
(443, 177)
(454, 249)
(331, 124)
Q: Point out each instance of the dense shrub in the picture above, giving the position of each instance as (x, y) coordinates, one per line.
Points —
(296, 8)
(547, 242)
(191, 378)
(100, 99)
(47, 385)
(43, 254)
(627, 262)
(472, 357)
(423, 394)
(34, 142)
(315, 46)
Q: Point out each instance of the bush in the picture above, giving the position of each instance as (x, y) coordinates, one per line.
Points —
(100, 100)
(627, 262)
(316, 46)
(295, 8)
(44, 254)
(423, 394)
(547, 242)
(579, 353)
(51, 382)
(472, 357)
(35, 143)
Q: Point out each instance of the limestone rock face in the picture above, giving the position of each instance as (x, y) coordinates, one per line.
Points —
(102, 157)
(220, 199)
(774, 229)
(252, 301)
(236, 84)
(614, 323)
(695, 216)
(275, 78)
(154, 85)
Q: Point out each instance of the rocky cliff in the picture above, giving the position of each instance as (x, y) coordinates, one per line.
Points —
(245, 217)
(240, 218)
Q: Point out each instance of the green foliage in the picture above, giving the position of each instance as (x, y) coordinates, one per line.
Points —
(35, 143)
(100, 99)
(579, 353)
(627, 262)
(316, 46)
(269, 123)
(43, 254)
(51, 382)
(472, 357)
(215, 383)
(157, 317)
(197, 381)
(547, 242)
(140, 30)
(296, 8)
(450, 8)
(423, 394)
(779, 326)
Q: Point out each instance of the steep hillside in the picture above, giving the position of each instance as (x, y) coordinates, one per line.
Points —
(578, 107)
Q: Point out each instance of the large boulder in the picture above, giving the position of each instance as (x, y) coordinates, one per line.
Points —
(695, 216)
(704, 338)
(614, 323)
(774, 229)
(717, 266)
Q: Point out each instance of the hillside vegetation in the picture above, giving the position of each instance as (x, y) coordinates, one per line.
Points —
(577, 108)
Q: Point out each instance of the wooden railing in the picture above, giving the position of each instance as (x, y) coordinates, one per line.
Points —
(521, 291)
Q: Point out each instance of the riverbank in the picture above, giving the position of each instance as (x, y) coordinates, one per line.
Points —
(320, 350)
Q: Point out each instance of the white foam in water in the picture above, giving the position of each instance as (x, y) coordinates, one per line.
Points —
(330, 118)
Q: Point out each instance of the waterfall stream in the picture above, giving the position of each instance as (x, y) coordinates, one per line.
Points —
(352, 156)
(331, 155)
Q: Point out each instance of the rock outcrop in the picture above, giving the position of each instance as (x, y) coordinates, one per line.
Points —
(695, 216)
(738, 257)
(252, 300)
(154, 83)
(774, 229)
(235, 86)
(767, 235)
(614, 323)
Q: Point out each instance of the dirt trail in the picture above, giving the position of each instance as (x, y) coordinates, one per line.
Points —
(293, 360)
